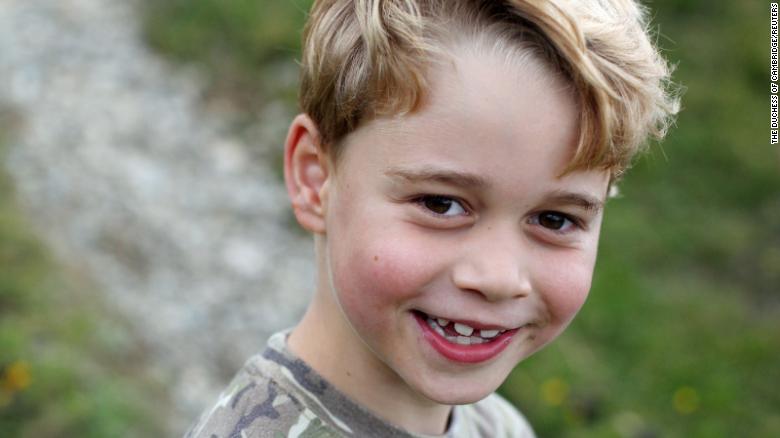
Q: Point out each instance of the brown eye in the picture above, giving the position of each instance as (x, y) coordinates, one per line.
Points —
(442, 205)
(553, 221)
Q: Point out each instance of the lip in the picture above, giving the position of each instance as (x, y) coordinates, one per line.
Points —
(464, 353)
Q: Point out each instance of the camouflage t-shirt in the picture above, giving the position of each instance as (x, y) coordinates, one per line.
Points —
(276, 394)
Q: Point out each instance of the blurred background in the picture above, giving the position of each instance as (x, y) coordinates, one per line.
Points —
(146, 247)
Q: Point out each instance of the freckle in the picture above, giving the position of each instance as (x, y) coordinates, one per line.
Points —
(376, 258)
(349, 374)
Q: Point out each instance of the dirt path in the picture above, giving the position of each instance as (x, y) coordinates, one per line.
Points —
(130, 180)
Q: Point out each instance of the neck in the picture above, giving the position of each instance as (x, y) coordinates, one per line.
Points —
(345, 362)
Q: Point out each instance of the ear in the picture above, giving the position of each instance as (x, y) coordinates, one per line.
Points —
(306, 172)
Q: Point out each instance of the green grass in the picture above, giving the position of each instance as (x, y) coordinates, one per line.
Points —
(679, 336)
(237, 41)
(66, 369)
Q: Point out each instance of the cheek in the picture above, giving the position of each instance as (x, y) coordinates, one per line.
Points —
(571, 291)
(375, 276)
(565, 288)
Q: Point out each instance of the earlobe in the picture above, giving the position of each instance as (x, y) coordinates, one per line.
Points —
(306, 172)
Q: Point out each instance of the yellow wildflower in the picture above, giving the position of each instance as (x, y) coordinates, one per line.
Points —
(17, 376)
(554, 391)
(686, 400)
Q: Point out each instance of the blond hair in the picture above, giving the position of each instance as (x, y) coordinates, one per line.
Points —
(367, 58)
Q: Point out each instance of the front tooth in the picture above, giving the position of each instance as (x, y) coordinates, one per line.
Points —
(488, 333)
(442, 322)
(463, 329)
(464, 340)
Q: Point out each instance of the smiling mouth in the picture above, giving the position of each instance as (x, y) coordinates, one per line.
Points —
(460, 332)
(461, 342)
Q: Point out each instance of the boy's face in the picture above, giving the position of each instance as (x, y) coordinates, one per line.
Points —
(457, 212)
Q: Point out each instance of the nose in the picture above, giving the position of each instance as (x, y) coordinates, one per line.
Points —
(495, 265)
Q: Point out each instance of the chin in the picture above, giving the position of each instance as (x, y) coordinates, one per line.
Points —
(460, 391)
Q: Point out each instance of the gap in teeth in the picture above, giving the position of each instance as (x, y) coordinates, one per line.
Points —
(465, 331)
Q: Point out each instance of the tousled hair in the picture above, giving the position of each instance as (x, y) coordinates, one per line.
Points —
(368, 58)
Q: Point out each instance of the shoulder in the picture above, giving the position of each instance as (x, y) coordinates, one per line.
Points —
(255, 405)
(493, 416)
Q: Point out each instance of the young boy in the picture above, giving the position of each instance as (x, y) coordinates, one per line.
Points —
(452, 160)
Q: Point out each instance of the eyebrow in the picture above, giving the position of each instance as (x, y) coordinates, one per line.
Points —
(446, 176)
(582, 200)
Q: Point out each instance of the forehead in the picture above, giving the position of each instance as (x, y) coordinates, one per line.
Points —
(511, 123)
(497, 99)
